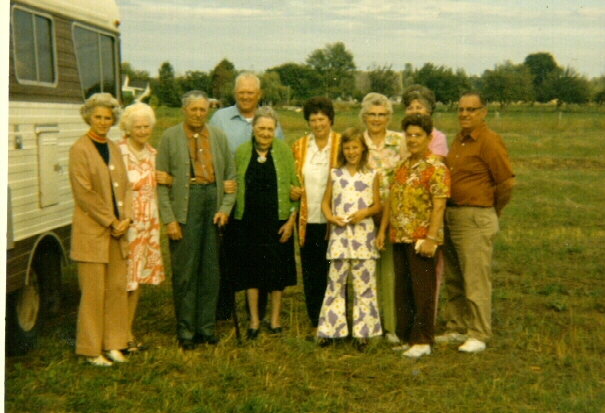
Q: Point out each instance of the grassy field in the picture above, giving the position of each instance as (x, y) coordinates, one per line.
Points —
(547, 354)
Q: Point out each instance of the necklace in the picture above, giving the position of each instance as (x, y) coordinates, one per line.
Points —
(262, 158)
(262, 153)
(140, 154)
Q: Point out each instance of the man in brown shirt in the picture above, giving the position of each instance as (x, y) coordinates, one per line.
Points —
(482, 180)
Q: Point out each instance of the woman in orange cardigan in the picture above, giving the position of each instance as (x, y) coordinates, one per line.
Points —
(315, 155)
(102, 215)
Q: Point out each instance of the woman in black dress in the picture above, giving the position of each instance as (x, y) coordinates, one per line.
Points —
(265, 218)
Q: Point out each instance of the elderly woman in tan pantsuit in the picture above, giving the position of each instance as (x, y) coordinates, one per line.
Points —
(102, 214)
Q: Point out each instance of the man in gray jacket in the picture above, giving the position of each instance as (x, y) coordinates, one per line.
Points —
(198, 158)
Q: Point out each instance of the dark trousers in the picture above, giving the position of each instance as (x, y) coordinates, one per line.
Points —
(315, 269)
(415, 285)
(195, 271)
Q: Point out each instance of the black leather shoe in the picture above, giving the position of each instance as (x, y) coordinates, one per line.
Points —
(206, 339)
(361, 344)
(186, 344)
(275, 330)
(210, 339)
(252, 333)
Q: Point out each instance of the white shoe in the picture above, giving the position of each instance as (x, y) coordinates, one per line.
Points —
(451, 337)
(402, 347)
(116, 356)
(392, 338)
(418, 350)
(472, 345)
(99, 361)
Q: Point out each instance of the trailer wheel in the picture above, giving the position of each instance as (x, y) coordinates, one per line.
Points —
(25, 314)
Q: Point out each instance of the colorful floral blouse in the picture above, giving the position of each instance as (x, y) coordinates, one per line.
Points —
(412, 191)
(385, 158)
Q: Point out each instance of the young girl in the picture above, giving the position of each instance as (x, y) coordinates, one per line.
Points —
(352, 197)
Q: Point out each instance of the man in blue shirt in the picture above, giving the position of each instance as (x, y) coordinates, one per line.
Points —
(236, 122)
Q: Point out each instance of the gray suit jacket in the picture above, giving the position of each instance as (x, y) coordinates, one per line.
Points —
(173, 157)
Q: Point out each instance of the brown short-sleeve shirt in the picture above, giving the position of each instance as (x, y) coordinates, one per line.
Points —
(477, 163)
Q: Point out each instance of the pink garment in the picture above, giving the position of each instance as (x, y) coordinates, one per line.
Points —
(438, 144)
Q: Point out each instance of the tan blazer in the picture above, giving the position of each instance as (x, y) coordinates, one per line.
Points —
(92, 183)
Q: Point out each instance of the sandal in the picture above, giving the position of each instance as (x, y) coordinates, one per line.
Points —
(99, 361)
(135, 346)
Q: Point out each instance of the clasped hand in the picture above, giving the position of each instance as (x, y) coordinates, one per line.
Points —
(118, 228)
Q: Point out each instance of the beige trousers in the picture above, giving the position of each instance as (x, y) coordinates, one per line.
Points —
(103, 313)
(469, 242)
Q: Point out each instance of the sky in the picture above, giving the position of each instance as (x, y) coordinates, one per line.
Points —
(256, 35)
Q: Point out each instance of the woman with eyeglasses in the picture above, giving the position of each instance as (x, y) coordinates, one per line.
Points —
(387, 149)
(315, 155)
(421, 100)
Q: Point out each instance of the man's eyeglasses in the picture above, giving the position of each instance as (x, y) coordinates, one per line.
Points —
(470, 110)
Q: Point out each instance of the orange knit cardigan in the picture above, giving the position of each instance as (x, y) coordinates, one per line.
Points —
(299, 149)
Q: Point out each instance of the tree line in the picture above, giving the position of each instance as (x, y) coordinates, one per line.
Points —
(331, 72)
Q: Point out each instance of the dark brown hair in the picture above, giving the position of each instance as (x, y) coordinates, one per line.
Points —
(319, 104)
(351, 135)
(416, 119)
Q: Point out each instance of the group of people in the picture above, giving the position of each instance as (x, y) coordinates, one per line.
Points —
(389, 209)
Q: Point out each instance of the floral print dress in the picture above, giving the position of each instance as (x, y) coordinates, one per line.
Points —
(145, 265)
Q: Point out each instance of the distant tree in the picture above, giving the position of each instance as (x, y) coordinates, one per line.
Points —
(335, 65)
(442, 80)
(274, 93)
(599, 98)
(545, 71)
(222, 81)
(165, 87)
(407, 76)
(507, 83)
(571, 88)
(384, 80)
(304, 82)
(195, 80)
(133, 74)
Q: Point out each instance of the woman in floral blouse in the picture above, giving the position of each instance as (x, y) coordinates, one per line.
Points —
(387, 149)
(414, 212)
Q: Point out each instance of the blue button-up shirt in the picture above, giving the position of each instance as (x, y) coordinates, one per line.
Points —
(236, 127)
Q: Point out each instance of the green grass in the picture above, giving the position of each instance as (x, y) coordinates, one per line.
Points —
(547, 354)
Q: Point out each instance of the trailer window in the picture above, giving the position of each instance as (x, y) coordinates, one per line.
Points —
(34, 50)
(96, 56)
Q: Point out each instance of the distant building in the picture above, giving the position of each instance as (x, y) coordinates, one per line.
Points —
(135, 90)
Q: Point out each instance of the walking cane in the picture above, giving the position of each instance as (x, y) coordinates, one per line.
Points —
(221, 232)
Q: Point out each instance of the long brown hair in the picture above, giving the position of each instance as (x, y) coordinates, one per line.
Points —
(351, 135)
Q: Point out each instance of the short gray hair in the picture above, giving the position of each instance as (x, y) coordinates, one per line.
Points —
(375, 99)
(423, 94)
(134, 111)
(105, 100)
(247, 76)
(192, 95)
(265, 112)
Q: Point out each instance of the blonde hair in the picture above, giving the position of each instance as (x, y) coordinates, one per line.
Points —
(133, 111)
(100, 99)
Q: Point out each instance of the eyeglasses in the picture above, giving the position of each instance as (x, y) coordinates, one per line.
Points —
(470, 110)
(414, 135)
(372, 115)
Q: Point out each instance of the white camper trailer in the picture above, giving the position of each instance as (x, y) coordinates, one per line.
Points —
(61, 52)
